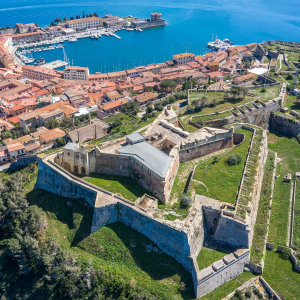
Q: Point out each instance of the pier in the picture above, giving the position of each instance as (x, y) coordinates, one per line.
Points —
(55, 64)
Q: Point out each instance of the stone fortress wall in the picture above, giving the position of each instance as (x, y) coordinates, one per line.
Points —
(221, 271)
(183, 244)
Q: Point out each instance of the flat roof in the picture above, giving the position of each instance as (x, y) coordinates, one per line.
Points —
(135, 137)
(150, 156)
(71, 146)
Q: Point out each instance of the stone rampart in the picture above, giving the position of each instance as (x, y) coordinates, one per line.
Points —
(232, 232)
(198, 148)
(56, 180)
(285, 125)
(219, 272)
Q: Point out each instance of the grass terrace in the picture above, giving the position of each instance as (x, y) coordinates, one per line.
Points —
(219, 177)
(292, 103)
(128, 124)
(221, 105)
(296, 227)
(270, 93)
(127, 187)
(203, 119)
(276, 268)
(249, 177)
(260, 229)
(208, 256)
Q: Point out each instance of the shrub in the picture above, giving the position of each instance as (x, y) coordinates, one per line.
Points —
(248, 294)
(263, 90)
(185, 201)
(285, 253)
(239, 295)
(234, 159)
(290, 77)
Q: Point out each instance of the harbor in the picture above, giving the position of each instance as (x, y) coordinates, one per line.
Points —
(24, 51)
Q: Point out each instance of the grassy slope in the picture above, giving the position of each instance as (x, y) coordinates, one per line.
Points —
(279, 273)
(296, 228)
(115, 248)
(222, 180)
(125, 186)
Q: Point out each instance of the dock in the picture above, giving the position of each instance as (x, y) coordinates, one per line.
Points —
(113, 34)
(55, 64)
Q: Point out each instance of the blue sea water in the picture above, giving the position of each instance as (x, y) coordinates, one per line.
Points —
(190, 26)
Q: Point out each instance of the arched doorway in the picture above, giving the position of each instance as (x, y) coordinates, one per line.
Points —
(66, 166)
(82, 170)
(76, 170)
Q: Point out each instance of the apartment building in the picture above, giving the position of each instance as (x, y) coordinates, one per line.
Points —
(76, 73)
(183, 58)
(91, 22)
(39, 73)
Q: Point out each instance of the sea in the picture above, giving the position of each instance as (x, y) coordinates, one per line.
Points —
(191, 25)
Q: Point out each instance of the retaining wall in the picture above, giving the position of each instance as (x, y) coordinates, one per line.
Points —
(219, 272)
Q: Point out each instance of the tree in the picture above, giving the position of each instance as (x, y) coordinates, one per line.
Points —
(65, 19)
(52, 24)
(58, 20)
(72, 18)
(185, 201)
(130, 108)
(37, 25)
(51, 123)
(290, 77)
(234, 159)
(83, 15)
(167, 85)
(60, 142)
(6, 135)
(149, 109)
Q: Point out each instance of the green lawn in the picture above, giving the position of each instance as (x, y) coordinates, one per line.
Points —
(296, 227)
(116, 248)
(288, 151)
(208, 256)
(221, 179)
(125, 186)
(271, 93)
(279, 273)
(292, 103)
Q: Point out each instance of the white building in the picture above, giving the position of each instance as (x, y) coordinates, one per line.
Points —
(84, 23)
(76, 73)
(183, 58)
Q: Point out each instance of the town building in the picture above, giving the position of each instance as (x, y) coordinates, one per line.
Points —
(39, 73)
(76, 73)
(84, 23)
(183, 58)
(110, 108)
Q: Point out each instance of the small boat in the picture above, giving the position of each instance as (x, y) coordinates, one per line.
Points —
(40, 62)
(72, 40)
